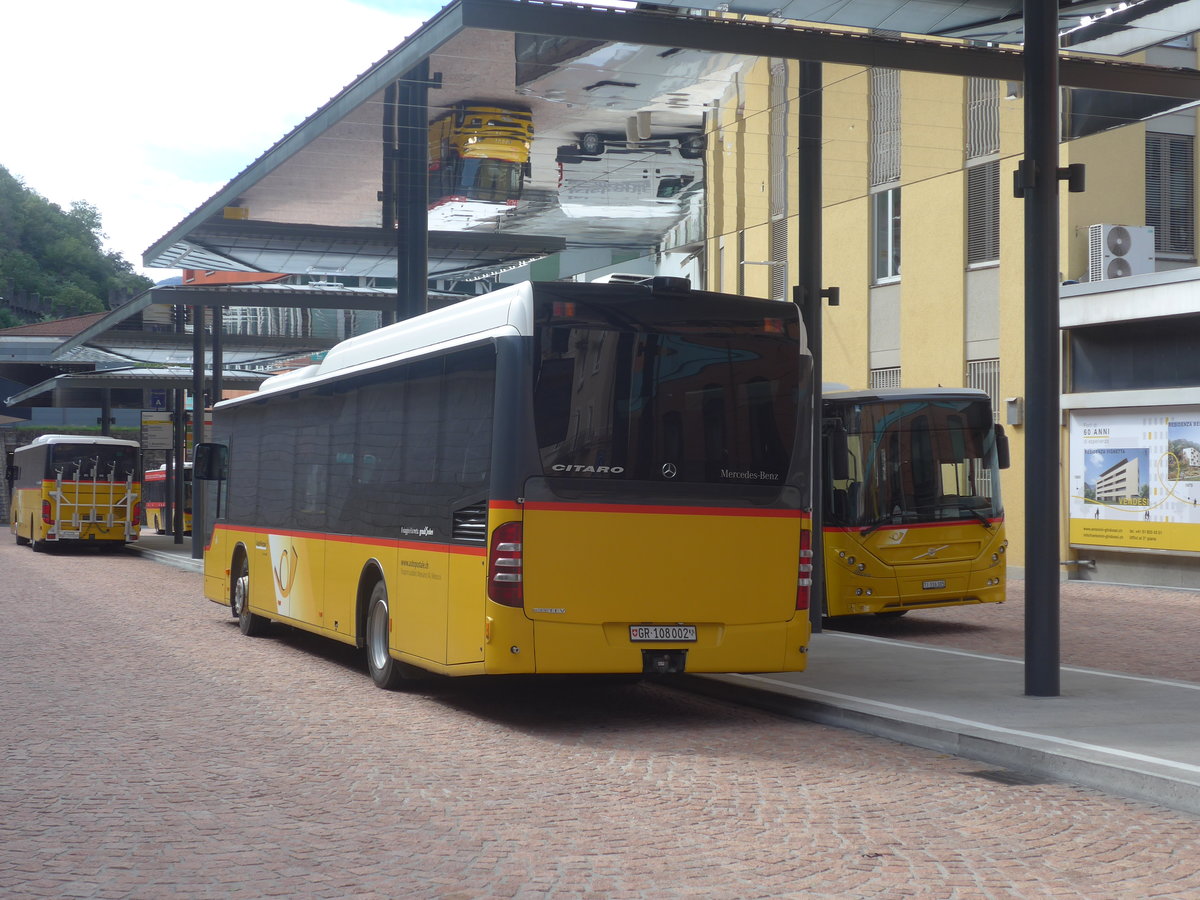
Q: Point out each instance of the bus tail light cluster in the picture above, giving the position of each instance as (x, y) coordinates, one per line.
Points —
(47, 512)
(804, 577)
(505, 565)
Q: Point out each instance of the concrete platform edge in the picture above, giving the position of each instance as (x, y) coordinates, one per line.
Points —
(1043, 762)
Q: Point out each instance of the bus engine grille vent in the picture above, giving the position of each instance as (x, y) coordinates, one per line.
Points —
(470, 524)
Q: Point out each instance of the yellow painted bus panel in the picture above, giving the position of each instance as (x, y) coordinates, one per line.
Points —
(915, 568)
(345, 560)
(508, 647)
(417, 597)
(564, 647)
(596, 566)
(468, 594)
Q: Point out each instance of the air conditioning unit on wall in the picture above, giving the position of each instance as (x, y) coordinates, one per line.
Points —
(1115, 251)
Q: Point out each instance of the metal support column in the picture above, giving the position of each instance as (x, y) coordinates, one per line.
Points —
(106, 416)
(218, 356)
(198, 318)
(174, 510)
(405, 191)
(1039, 178)
(173, 513)
(810, 298)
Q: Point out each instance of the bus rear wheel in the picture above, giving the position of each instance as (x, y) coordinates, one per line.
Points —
(386, 672)
(249, 623)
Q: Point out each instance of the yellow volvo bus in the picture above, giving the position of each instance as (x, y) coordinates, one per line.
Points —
(76, 488)
(919, 521)
(552, 478)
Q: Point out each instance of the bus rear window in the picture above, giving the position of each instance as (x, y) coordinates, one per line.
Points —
(689, 405)
(92, 462)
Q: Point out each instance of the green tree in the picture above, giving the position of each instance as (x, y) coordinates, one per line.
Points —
(57, 255)
(73, 301)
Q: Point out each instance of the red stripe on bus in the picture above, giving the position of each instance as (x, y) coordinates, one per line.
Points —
(390, 543)
(644, 509)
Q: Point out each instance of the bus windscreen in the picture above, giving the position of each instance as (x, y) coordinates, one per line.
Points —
(651, 399)
(916, 461)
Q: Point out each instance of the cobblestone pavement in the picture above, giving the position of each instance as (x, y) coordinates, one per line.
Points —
(150, 750)
(1135, 631)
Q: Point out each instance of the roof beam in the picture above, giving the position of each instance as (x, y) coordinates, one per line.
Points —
(825, 45)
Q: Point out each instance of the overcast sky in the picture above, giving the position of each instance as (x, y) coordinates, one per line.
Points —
(145, 109)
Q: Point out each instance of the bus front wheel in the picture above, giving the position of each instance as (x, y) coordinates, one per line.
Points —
(386, 672)
(21, 541)
(249, 623)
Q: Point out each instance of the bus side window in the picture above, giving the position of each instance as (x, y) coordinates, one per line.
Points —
(211, 462)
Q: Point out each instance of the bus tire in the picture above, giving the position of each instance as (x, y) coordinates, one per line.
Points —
(591, 144)
(249, 623)
(891, 613)
(386, 672)
(21, 541)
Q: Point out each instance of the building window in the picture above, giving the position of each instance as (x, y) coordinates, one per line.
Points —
(984, 375)
(885, 378)
(885, 235)
(1170, 192)
(983, 117)
(884, 133)
(983, 213)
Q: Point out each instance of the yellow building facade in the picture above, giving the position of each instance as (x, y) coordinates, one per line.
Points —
(936, 313)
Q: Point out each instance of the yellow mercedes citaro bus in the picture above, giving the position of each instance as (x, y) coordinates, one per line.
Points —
(918, 523)
(73, 488)
(552, 478)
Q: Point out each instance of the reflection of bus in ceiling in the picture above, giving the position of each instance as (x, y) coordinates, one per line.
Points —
(604, 177)
(918, 522)
(478, 163)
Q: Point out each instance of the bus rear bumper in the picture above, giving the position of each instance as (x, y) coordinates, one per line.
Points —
(561, 648)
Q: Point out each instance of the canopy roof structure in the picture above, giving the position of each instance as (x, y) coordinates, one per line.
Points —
(316, 201)
(122, 336)
(137, 378)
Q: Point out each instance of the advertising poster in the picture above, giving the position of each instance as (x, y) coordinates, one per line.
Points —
(1135, 479)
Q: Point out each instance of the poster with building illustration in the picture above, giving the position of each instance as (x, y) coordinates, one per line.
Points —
(1135, 479)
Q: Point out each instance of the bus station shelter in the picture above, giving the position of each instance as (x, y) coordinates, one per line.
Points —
(348, 190)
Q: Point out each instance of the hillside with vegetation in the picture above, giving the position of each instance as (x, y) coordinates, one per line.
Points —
(52, 262)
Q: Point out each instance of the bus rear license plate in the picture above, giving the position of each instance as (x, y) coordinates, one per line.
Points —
(662, 632)
(933, 585)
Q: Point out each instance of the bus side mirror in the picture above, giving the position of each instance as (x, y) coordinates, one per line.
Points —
(838, 450)
(10, 474)
(210, 462)
(1003, 460)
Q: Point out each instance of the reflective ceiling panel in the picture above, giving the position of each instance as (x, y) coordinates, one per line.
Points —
(596, 152)
(536, 145)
